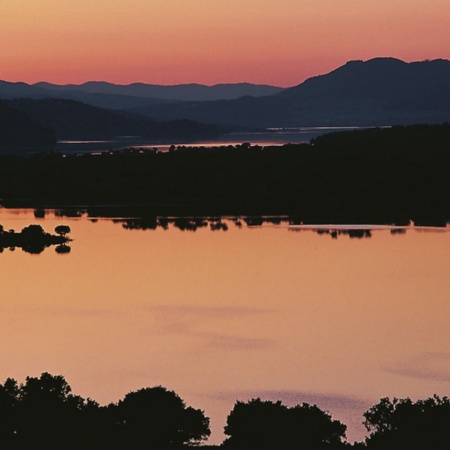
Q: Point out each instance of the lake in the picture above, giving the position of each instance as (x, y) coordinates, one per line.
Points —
(231, 312)
(271, 136)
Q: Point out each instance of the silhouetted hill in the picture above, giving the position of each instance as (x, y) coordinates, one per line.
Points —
(114, 96)
(16, 90)
(381, 91)
(75, 120)
(184, 92)
(19, 133)
(46, 90)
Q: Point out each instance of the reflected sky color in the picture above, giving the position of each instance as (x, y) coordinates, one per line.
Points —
(204, 41)
(220, 316)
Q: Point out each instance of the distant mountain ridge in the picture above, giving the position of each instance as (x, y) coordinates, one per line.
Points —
(186, 92)
(376, 92)
(380, 91)
(115, 96)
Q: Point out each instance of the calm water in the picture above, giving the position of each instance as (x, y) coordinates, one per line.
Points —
(273, 136)
(217, 316)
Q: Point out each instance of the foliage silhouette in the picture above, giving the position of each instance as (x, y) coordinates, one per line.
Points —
(33, 239)
(43, 412)
(402, 423)
(379, 176)
(266, 424)
(159, 418)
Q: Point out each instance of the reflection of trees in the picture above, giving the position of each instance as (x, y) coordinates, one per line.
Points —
(69, 212)
(254, 221)
(63, 248)
(352, 233)
(39, 213)
(398, 231)
(218, 225)
(379, 175)
(139, 224)
(189, 223)
(33, 239)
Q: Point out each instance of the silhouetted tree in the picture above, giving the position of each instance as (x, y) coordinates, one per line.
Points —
(265, 424)
(62, 230)
(9, 398)
(32, 231)
(402, 423)
(42, 412)
(158, 418)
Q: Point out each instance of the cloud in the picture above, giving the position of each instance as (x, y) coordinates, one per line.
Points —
(428, 365)
(214, 312)
(187, 319)
(349, 410)
(184, 318)
(236, 342)
(297, 397)
(66, 311)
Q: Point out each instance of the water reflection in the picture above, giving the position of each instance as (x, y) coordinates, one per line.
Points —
(133, 218)
(270, 307)
(34, 239)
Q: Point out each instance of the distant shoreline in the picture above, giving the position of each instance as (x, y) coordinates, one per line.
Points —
(380, 176)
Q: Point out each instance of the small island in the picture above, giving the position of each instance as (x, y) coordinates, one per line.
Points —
(33, 239)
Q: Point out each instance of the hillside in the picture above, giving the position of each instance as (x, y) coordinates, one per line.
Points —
(19, 133)
(75, 120)
(380, 91)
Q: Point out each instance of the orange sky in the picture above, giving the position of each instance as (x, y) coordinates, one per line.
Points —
(211, 41)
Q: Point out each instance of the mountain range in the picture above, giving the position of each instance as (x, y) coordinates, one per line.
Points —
(376, 92)
(116, 96)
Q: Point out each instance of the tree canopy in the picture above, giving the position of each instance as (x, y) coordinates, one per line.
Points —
(159, 418)
(43, 412)
(266, 424)
(403, 423)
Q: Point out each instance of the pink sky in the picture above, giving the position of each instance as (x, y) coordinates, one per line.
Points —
(211, 41)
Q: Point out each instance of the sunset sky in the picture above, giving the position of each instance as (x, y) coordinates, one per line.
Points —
(211, 41)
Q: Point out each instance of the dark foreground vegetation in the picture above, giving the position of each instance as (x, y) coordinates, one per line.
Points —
(44, 413)
(33, 239)
(379, 175)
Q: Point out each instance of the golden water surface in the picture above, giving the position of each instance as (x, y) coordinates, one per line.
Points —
(218, 316)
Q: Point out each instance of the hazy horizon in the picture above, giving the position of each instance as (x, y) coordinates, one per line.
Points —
(206, 42)
(218, 83)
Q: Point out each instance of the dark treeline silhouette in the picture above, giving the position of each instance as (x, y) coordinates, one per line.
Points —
(43, 412)
(33, 239)
(261, 424)
(380, 176)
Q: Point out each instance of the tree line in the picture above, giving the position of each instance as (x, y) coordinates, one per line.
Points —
(380, 175)
(43, 412)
